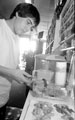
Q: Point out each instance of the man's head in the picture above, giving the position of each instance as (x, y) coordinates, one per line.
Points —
(27, 17)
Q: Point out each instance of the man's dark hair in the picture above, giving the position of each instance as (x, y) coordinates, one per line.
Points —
(26, 10)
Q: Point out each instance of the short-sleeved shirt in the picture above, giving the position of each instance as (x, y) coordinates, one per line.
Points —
(9, 57)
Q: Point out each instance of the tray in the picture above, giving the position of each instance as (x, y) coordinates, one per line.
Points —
(43, 109)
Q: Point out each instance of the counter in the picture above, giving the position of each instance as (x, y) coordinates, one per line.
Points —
(33, 100)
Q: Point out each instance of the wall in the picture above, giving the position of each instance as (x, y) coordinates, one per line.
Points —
(7, 6)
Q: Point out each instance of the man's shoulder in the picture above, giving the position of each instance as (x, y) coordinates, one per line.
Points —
(2, 28)
(1, 23)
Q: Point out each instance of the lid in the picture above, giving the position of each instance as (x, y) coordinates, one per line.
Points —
(56, 58)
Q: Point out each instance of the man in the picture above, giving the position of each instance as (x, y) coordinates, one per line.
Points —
(23, 19)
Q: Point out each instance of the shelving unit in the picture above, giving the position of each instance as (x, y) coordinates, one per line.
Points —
(67, 23)
(66, 32)
(51, 34)
(67, 35)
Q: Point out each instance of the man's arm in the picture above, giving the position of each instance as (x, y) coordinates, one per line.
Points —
(15, 74)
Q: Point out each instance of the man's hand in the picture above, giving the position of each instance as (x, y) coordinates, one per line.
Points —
(15, 74)
(22, 77)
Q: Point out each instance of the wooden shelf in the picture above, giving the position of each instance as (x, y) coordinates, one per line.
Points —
(68, 19)
(69, 28)
(49, 44)
(69, 48)
(71, 37)
(67, 13)
(66, 7)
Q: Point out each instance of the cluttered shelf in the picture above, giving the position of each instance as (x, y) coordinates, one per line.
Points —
(66, 32)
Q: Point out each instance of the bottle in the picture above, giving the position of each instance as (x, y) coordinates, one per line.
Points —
(60, 75)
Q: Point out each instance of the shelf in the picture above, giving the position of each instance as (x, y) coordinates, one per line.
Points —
(49, 44)
(69, 48)
(66, 6)
(66, 30)
(71, 37)
(51, 34)
(67, 19)
(69, 10)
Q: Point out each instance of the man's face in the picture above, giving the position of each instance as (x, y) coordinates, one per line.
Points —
(23, 25)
